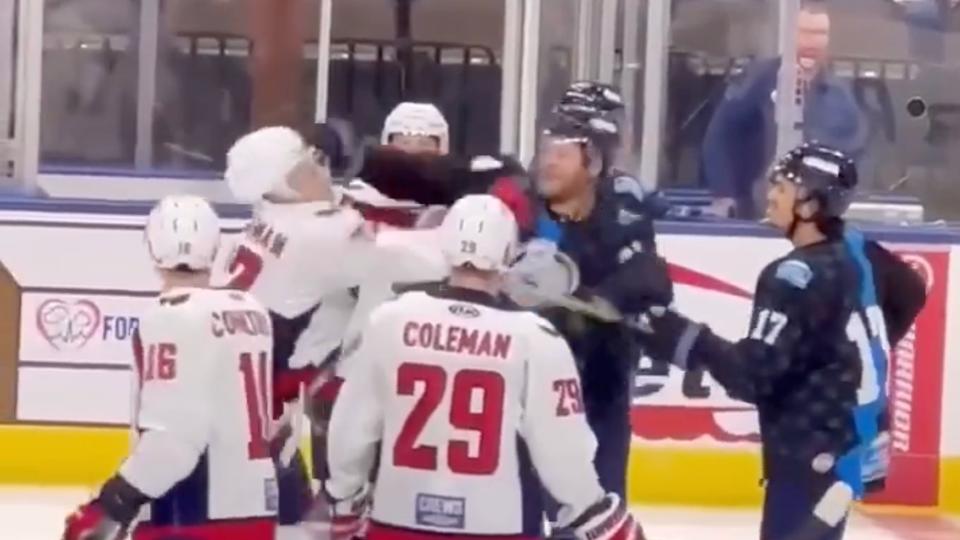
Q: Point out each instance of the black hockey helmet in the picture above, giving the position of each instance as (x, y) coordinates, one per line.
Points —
(828, 176)
(598, 135)
(591, 98)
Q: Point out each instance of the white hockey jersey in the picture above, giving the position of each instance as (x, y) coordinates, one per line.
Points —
(204, 405)
(306, 262)
(454, 387)
(301, 260)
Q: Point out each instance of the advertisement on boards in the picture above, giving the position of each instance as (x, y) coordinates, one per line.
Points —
(916, 390)
(78, 328)
(689, 409)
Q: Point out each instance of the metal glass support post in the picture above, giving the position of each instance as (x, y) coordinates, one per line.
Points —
(529, 80)
(607, 40)
(654, 88)
(149, 32)
(6, 71)
(323, 60)
(789, 111)
(631, 64)
(510, 81)
(29, 74)
(584, 68)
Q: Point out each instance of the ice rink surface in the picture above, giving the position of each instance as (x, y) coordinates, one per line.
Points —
(37, 514)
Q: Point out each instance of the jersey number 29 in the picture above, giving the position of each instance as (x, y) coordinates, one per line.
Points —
(487, 421)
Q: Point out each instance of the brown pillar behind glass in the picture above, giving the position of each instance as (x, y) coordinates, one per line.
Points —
(277, 30)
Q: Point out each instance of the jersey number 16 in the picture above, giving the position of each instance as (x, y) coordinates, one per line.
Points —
(487, 421)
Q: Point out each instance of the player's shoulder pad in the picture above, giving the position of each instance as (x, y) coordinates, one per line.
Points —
(628, 186)
(795, 272)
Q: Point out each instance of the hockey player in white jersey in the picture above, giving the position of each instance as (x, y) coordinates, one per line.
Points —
(201, 462)
(303, 255)
(418, 128)
(462, 397)
(414, 129)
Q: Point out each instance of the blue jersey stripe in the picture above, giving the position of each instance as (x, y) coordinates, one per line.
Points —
(867, 415)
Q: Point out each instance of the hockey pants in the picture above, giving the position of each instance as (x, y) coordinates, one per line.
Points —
(789, 505)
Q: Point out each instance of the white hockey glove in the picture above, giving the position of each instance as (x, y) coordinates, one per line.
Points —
(541, 275)
(607, 519)
(348, 516)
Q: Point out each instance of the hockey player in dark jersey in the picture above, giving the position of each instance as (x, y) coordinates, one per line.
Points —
(603, 227)
(814, 361)
(599, 217)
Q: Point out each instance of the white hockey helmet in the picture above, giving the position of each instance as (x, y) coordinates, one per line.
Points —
(410, 118)
(259, 163)
(183, 231)
(481, 231)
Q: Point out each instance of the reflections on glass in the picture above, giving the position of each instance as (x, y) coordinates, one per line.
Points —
(885, 96)
(7, 75)
(115, 97)
(904, 73)
(89, 83)
(445, 52)
(558, 53)
(715, 49)
(214, 82)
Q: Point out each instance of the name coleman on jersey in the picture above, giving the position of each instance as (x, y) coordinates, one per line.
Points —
(437, 337)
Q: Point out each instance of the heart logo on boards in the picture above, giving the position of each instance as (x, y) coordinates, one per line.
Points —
(68, 324)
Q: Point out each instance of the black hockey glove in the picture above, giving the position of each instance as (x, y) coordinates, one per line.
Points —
(640, 282)
(668, 336)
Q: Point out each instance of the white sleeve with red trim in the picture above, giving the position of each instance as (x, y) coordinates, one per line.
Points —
(553, 411)
(175, 413)
(399, 256)
(356, 424)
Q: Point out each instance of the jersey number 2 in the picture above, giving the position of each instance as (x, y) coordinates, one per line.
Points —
(486, 421)
(244, 267)
(256, 388)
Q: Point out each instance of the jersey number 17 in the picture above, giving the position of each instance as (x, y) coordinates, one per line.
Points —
(487, 421)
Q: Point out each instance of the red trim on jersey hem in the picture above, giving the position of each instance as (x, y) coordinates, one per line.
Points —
(234, 529)
(379, 531)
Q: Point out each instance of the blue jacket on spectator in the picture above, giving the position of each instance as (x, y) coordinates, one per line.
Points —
(741, 139)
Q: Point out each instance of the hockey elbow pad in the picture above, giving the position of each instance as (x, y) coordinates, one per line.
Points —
(607, 519)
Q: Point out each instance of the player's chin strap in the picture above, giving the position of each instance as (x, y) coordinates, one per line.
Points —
(797, 218)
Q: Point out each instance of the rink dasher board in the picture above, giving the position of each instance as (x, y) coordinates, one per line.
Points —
(691, 441)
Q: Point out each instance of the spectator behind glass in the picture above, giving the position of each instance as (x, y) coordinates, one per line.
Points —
(740, 141)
